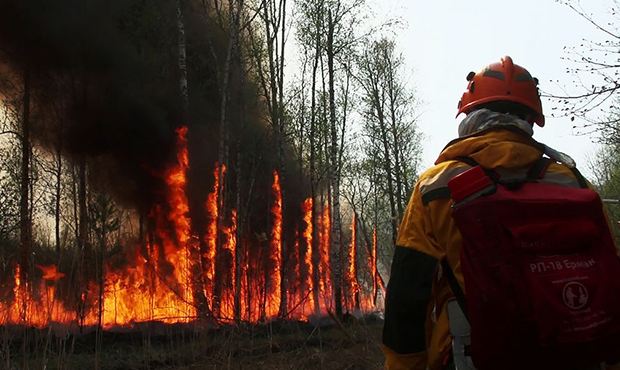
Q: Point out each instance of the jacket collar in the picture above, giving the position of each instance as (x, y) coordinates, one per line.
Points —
(499, 146)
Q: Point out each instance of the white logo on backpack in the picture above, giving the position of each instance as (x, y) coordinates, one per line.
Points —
(575, 295)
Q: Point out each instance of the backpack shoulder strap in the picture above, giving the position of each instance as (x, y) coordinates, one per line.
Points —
(444, 192)
(454, 286)
(538, 169)
(583, 183)
(468, 160)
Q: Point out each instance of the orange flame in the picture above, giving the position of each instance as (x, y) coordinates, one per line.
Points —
(295, 262)
(229, 248)
(162, 278)
(50, 273)
(137, 293)
(176, 180)
(351, 272)
(373, 265)
(324, 267)
(273, 292)
(213, 211)
(308, 268)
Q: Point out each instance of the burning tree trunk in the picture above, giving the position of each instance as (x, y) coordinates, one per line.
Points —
(240, 224)
(316, 242)
(24, 210)
(83, 242)
(352, 298)
(274, 290)
(308, 288)
(334, 178)
(273, 16)
(210, 255)
(373, 265)
(283, 303)
(235, 9)
(104, 220)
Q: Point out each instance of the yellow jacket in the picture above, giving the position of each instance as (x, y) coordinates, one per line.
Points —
(427, 234)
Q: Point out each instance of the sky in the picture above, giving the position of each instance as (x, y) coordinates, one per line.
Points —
(443, 40)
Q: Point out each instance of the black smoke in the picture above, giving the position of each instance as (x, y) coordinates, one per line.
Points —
(105, 88)
(103, 84)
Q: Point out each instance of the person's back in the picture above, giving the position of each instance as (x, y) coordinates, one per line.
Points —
(501, 104)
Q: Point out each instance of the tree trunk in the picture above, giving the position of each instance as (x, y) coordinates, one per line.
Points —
(100, 283)
(83, 244)
(238, 173)
(395, 142)
(57, 196)
(316, 258)
(24, 209)
(240, 224)
(387, 167)
(335, 181)
(283, 257)
(234, 15)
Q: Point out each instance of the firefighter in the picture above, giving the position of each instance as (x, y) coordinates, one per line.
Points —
(502, 104)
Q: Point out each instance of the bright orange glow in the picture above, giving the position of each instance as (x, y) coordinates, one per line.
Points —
(275, 252)
(50, 273)
(308, 268)
(229, 249)
(373, 265)
(161, 279)
(294, 285)
(325, 264)
(213, 214)
(352, 301)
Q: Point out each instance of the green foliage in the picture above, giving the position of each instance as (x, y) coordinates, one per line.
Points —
(606, 170)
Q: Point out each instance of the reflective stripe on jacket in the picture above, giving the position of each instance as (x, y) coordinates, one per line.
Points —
(416, 333)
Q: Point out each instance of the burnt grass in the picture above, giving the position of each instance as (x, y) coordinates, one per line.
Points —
(353, 344)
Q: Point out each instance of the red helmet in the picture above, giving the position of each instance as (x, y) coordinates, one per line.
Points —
(503, 81)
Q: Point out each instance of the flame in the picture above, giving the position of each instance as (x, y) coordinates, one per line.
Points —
(275, 252)
(325, 283)
(50, 273)
(213, 212)
(373, 265)
(308, 285)
(295, 262)
(176, 180)
(141, 292)
(177, 250)
(350, 271)
(162, 279)
(229, 249)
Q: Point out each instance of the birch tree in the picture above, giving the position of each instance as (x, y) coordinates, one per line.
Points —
(389, 124)
(268, 54)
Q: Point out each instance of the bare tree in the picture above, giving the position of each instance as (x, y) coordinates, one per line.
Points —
(24, 204)
(594, 67)
(269, 58)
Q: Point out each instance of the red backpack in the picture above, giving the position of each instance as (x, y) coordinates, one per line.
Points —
(542, 277)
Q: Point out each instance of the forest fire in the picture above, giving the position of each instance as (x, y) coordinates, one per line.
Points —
(352, 298)
(307, 284)
(275, 250)
(177, 277)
